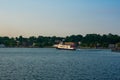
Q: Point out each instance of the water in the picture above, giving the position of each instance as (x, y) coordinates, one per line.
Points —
(52, 64)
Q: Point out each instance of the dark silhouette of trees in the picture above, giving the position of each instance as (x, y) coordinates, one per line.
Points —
(89, 40)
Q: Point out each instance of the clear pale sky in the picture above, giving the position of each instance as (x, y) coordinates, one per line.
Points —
(59, 17)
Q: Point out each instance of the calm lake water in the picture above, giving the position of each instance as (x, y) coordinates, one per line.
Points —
(52, 64)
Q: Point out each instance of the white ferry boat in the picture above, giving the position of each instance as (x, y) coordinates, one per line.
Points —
(66, 46)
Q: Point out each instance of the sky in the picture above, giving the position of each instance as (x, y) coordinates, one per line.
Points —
(59, 17)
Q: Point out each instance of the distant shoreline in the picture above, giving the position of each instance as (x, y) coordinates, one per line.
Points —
(88, 41)
(54, 47)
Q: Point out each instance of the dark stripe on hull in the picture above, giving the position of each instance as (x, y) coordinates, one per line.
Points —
(65, 49)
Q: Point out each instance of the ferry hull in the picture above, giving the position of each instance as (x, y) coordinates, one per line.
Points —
(65, 49)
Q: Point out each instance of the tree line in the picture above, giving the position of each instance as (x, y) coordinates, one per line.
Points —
(89, 40)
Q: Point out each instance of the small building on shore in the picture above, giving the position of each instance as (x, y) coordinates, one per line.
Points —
(2, 45)
(111, 46)
(117, 48)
